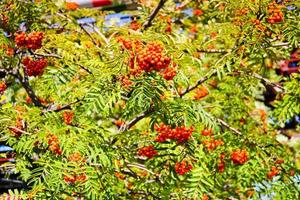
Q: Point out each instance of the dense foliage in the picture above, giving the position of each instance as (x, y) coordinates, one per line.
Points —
(164, 108)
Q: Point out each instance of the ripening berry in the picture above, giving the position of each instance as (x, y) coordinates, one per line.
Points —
(2, 87)
(9, 51)
(275, 13)
(200, 93)
(205, 197)
(147, 151)
(68, 117)
(182, 168)
(239, 156)
(81, 177)
(120, 176)
(75, 157)
(279, 162)
(53, 143)
(70, 179)
(134, 25)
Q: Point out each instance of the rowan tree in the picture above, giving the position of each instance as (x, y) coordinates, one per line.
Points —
(162, 108)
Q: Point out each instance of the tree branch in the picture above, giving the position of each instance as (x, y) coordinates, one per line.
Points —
(25, 83)
(60, 57)
(58, 109)
(214, 50)
(148, 23)
(226, 125)
(136, 120)
(267, 81)
(199, 82)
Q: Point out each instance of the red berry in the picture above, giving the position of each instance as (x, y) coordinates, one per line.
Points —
(206, 132)
(182, 168)
(212, 144)
(274, 171)
(198, 12)
(34, 67)
(239, 156)
(221, 166)
(179, 134)
(148, 151)
(31, 41)
(2, 87)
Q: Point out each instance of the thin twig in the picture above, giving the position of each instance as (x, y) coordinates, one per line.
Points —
(136, 120)
(90, 36)
(48, 55)
(148, 23)
(60, 57)
(214, 50)
(58, 109)
(99, 33)
(226, 125)
(19, 130)
(199, 82)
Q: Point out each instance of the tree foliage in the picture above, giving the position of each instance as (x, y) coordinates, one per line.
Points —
(79, 125)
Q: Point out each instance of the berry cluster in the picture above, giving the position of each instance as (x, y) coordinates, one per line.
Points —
(75, 178)
(169, 73)
(275, 13)
(241, 12)
(148, 58)
(31, 41)
(212, 144)
(200, 93)
(182, 168)
(151, 58)
(75, 157)
(135, 25)
(147, 151)
(258, 25)
(206, 132)
(274, 172)
(239, 156)
(53, 143)
(179, 134)
(34, 67)
(2, 87)
(68, 117)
